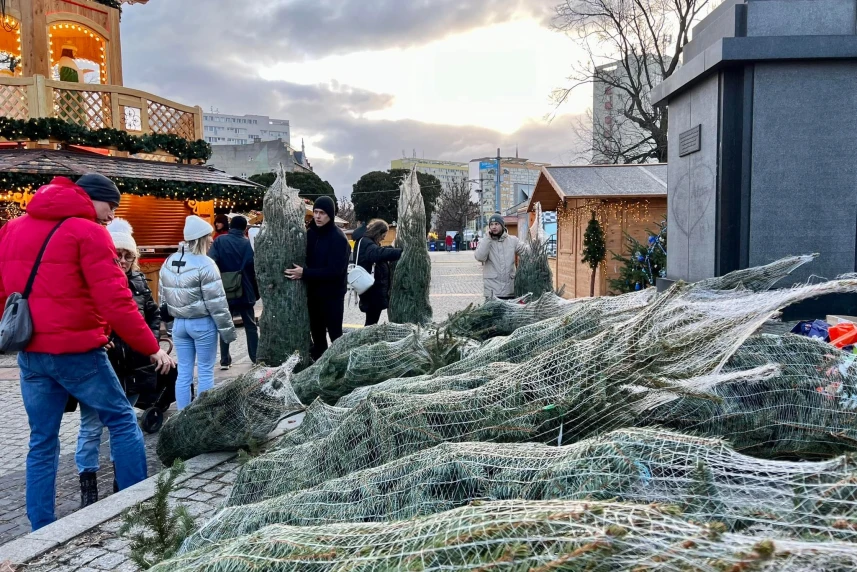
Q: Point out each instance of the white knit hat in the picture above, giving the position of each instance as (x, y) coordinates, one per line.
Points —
(123, 235)
(195, 227)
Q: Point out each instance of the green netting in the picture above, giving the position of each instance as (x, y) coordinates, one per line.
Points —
(231, 416)
(520, 535)
(579, 388)
(705, 477)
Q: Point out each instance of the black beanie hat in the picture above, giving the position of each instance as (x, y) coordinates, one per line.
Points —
(99, 188)
(498, 219)
(238, 223)
(326, 204)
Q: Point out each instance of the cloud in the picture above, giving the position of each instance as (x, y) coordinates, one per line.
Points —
(284, 30)
(171, 55)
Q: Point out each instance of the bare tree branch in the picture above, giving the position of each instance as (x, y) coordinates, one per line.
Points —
(455, 207)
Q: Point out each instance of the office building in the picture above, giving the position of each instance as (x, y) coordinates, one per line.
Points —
(446, 171)
(222, 129)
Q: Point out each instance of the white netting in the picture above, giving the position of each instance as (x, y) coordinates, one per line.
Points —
(707, 479)
(578, 388)
(231, 416)
(520, 535)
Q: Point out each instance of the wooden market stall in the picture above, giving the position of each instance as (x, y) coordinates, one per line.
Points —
(624, 198)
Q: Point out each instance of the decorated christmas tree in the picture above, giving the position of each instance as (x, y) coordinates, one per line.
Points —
(534, 273)
(594, 249)
(284, 325)
(645, 263)
(409, 294)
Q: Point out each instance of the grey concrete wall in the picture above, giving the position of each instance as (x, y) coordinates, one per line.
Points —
(801, 17)
(723, 23)
(691, 196)
(804, 177)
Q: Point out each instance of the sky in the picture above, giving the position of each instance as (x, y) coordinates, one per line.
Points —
(363, 81)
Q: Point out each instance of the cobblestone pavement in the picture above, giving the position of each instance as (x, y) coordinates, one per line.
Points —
(456, 282)
(103, 549)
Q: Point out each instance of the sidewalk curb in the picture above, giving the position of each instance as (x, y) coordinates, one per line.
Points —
(35, 544)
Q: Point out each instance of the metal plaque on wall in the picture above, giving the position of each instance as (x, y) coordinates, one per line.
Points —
(690, 141)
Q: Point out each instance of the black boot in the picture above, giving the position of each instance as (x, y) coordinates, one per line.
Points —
(115, 482)
(88, 489)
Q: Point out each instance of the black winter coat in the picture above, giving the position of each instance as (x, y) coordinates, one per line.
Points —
(134, 370)
(232, 252)
(378, 296)
(327, 254)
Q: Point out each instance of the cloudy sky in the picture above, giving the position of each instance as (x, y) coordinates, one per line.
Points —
(363, 80)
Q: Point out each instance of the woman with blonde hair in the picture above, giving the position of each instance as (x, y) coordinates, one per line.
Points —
(192, 290)
(375, 259)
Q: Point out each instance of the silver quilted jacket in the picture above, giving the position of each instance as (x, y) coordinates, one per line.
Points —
(191, 287)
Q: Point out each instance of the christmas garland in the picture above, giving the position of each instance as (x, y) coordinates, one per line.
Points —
(72, 134)
(160, 188)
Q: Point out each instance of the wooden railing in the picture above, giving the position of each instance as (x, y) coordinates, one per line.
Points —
(98, 106)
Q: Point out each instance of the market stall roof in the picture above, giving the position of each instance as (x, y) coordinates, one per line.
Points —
(135, 176)
(556, 184)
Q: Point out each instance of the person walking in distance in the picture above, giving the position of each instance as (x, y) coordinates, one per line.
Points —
(234, 258)
(133, 369)
(79, 293)
(448, 242)
(326, 274)
(372, 256)
(192, 290)
(497, 253)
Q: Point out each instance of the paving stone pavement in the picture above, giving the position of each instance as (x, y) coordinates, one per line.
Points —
(103, 549)
(456, 282)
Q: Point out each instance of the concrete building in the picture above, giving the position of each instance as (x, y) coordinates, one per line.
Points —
(517, 180)
(762, 154)
(446, 171)
(222, 129)
(611, 130)
(257, 158)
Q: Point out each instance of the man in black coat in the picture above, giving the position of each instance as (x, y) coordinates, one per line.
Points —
(326, 274)
(232, 253)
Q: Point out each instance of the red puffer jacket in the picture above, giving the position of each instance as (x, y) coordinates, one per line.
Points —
(80, 291)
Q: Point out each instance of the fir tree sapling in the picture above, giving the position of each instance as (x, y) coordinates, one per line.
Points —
(644, 264)
(534, 273)
(409, 294)
(281, 244)
(594, 249)
(155, 529)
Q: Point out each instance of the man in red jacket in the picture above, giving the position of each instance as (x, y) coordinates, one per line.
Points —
(79, 293)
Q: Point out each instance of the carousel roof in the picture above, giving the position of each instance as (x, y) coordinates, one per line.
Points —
(72, 163)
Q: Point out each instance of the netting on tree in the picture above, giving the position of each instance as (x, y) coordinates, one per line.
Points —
(534, 276)
(579, 388)
(231, 416)
(284, 324)
(579, 321)
(409, 291)
(374, 354)
(520, 535)
(706, 478)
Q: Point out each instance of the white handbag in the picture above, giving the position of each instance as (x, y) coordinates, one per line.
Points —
(358, 279)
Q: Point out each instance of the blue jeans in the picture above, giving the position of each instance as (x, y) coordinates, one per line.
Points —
(46, 382)
(195, 341)
(89, 438)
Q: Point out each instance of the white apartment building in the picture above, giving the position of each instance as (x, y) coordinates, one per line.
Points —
(222, 129)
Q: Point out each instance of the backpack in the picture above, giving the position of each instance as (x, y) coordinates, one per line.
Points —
(16, 325)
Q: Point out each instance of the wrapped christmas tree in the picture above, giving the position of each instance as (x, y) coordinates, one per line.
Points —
(281, 244)
(409, 294)
(534, 273)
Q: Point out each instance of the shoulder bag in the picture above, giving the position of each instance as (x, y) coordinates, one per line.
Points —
(358, 279)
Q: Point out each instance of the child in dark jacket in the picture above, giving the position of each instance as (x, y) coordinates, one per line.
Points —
(134, 370)
(369, 253)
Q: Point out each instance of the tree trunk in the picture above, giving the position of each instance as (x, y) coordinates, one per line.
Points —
(592, 284)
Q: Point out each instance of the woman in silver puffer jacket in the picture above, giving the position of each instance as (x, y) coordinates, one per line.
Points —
(191, 287)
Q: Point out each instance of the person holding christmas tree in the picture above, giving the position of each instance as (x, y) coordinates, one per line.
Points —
(325, 273)
(497, 253)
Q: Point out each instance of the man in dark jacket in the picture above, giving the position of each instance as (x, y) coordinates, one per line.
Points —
(79, 295)
(326, 274)
(232, 253)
